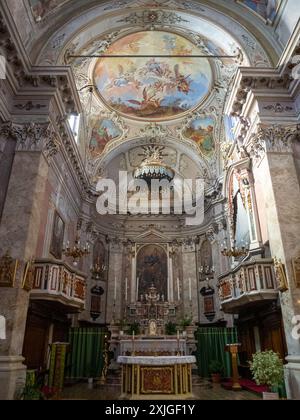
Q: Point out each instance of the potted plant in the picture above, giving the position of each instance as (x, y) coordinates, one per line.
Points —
(171, 328)
(216, 370)
(187, 325)
(32, 393)
(134, 328)
(267, 369)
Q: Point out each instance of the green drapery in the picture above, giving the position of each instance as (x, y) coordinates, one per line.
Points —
(85, 359)
(211, 344)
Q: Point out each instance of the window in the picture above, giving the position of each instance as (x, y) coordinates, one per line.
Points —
(74, 122)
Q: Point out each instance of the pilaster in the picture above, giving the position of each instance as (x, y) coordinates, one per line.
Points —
(19, 230)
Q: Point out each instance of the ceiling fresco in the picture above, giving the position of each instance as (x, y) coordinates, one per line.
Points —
(267, 9)
(201, 130)
(153, 88)
(104, 130)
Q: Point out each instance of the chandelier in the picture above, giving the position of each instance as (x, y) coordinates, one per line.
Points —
(235, 252)
(98, 270)
(152, 167)
(77, 251)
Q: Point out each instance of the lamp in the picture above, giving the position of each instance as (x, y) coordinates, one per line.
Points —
(206, 272)
(76, 251)
(234, 251)
(152, 167)
(98, 270)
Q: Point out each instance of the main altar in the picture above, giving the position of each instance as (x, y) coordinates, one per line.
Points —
(154, 363)
(152, 377)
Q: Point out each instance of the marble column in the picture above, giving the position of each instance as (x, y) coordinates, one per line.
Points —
(282, 197)
(190, 281)
(7, 149)
(19, 230)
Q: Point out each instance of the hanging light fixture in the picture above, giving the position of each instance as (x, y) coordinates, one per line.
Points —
(234, 251)
(152, 166)
(77, 251)
(98, 270)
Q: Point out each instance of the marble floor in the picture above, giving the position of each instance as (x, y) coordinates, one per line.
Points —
(203, 390)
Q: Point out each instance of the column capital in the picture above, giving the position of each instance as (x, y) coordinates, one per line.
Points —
(37, 137)
(272, 139)
(189, 244)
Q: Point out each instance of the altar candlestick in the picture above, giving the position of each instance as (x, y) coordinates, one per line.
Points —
(190, 289)
(115, 292)
(178, 343)
(178, 289)
(126, 289)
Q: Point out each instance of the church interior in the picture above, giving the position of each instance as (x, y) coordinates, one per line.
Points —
(149, 199)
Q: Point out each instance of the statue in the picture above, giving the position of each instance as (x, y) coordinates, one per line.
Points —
(152, 328)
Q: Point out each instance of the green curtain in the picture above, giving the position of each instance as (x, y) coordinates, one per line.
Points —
(211, 343)
(85, 359)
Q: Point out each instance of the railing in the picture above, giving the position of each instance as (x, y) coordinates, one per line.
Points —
(251, 281)
(56, 281)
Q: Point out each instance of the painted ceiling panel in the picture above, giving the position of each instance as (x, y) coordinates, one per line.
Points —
(41, 8)
(153, 87)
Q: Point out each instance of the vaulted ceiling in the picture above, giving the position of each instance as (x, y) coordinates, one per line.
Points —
(127, 103)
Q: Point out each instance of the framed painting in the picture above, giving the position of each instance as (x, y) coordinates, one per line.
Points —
(56, 247)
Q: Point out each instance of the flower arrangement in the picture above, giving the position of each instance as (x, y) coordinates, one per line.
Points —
(267, 369)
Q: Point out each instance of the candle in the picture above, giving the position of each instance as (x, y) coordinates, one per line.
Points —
(137, 288)
(115, 293)
(190, 289)
(133, 347)
(178, 289)
(126, 289)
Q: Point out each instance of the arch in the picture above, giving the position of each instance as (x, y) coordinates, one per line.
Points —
(72, 28)
(115, 148)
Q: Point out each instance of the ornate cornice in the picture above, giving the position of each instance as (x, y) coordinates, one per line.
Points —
(264, 82)
(23, 76)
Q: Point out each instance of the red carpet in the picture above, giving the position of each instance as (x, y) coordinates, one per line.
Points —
(248, 385)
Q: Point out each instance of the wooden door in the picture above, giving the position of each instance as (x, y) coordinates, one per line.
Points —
(36, 342)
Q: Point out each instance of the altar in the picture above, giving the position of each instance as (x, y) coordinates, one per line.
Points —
(157, 377)
(159, 346)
